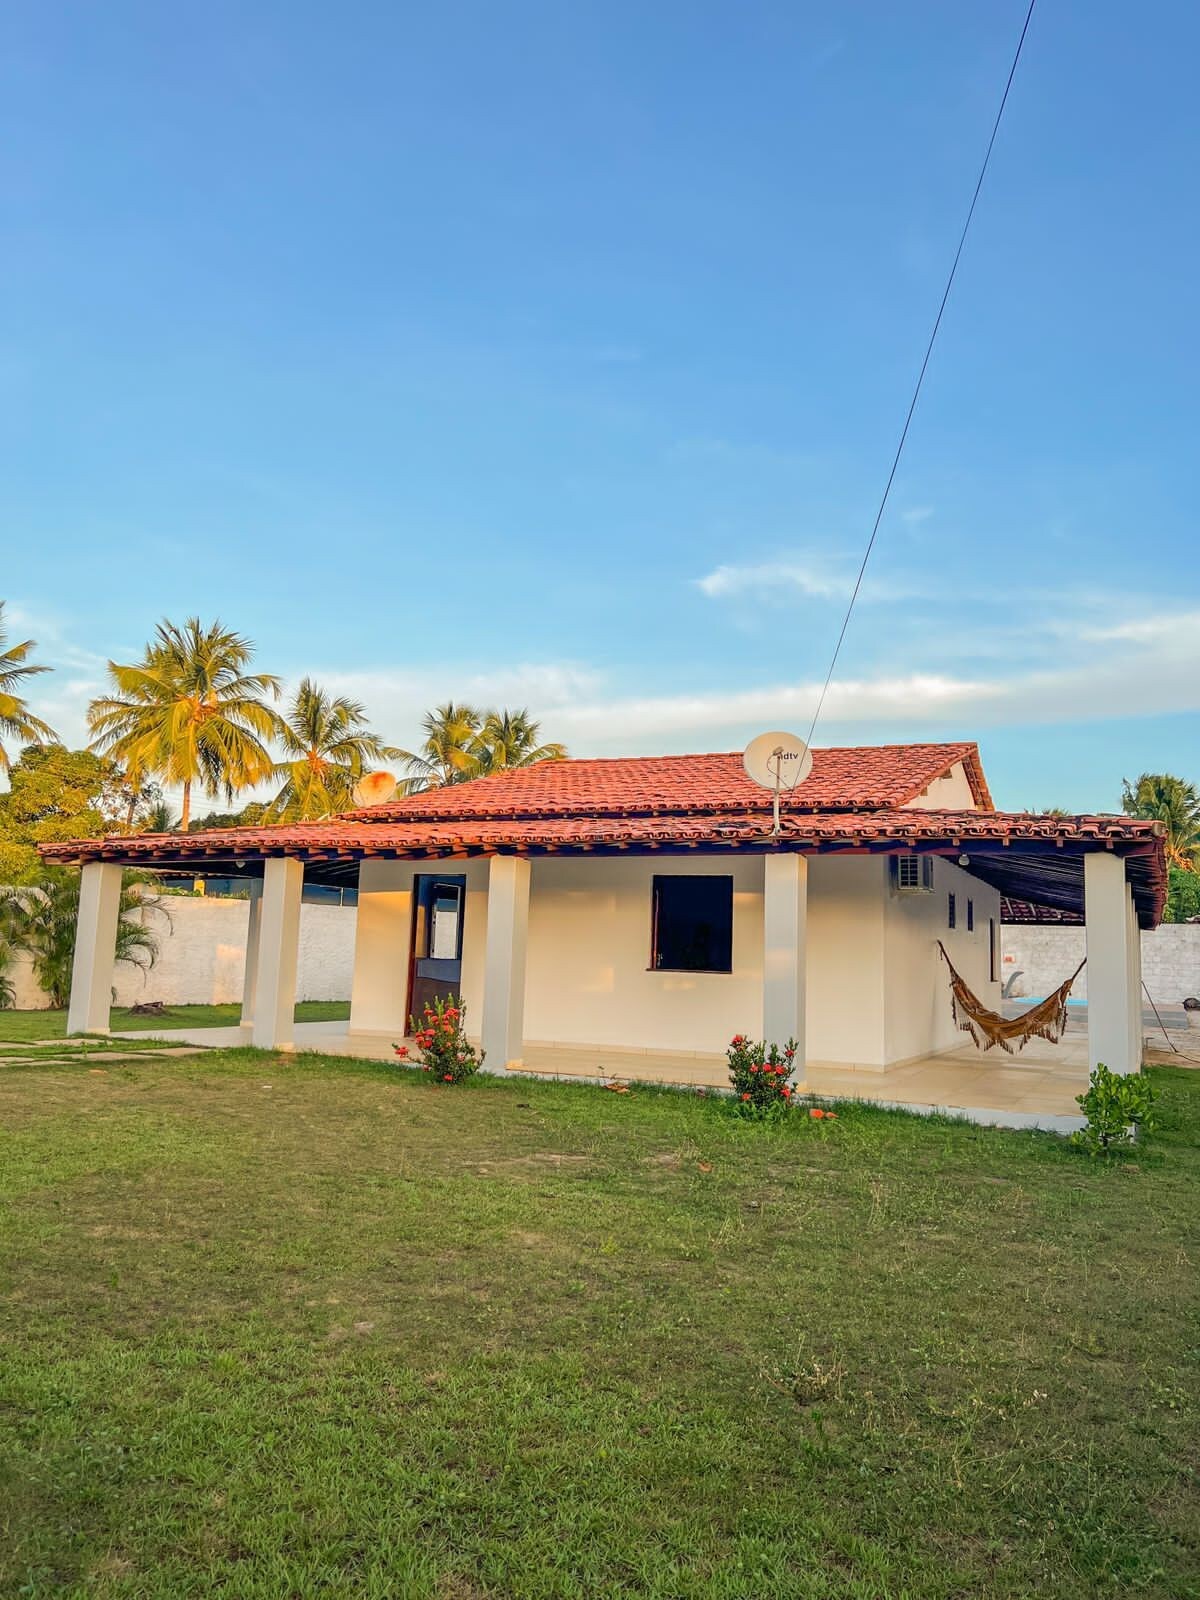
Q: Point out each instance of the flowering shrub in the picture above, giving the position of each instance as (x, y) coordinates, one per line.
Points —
(759, 1074)
(443, 1047)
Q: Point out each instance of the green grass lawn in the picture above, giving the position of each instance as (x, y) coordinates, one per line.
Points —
(23, 1026)
(288, 1327)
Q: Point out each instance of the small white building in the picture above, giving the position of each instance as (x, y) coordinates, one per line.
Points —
(628, 917)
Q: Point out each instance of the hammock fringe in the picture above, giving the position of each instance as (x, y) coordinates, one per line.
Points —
(1047, 1020)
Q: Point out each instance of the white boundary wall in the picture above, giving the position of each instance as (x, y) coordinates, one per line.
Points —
(1045, 956)
(202, 956)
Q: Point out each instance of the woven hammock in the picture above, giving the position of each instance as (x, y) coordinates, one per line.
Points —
(1046, 1020)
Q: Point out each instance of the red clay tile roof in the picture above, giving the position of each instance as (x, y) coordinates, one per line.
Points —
(868, 778)
(1027, 857)
(1018, 912)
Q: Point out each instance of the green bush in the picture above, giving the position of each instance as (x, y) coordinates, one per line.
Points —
(1183, 895)
(1116, 1106)
(759, 1073)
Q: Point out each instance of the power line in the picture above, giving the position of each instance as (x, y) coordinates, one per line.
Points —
(1012, 72)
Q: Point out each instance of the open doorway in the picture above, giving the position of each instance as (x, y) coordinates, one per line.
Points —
(435, 966)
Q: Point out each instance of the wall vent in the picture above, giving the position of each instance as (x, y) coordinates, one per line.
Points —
(912, 874)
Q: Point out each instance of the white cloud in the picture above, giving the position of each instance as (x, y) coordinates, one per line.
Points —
(1176, 631)
(813, 577)
(772, 575)
(395, 700)
(1101, 662)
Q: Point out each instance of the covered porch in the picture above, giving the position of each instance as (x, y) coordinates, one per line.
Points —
(822, 935)
(1035, 1089)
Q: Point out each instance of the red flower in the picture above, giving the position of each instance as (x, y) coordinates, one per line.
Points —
(786, 1089)
(400, 1049)
(746, 1096)
(449, 1076)
(815, 1111)
(753, 1069)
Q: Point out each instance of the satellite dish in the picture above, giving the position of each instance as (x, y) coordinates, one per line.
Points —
(374, 788)
(779, 762)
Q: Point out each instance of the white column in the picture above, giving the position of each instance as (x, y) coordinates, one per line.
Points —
(278, 952)
(785, 926)
(1114, 1036)
(503, 1030)
(95, 948)
(253, 934)
(1136, 1032)
(383, 930)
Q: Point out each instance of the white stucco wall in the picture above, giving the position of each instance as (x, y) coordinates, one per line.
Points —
(918, 1020)
(589, 980)
(202, 956)
(1045, 956)
(949, 793)
(382, 942)
(845, 966)
(877, 989)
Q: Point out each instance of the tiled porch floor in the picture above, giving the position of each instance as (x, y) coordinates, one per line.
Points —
(1035, 1088)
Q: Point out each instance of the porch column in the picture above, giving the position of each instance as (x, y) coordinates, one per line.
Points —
(785, 924)
(1137, 1033)
(95, 948)
(253, 935)
(383, 932)
(278, 953)
(503, 1031)
(1114, 1022)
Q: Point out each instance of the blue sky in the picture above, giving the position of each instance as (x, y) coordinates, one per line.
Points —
(555, 354)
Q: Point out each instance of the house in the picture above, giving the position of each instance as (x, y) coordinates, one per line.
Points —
(629, 916)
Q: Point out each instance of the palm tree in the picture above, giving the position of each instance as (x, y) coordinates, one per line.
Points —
(40, 918)
(329, 746)
(160, 817)
(16, 719)
(1176, 803)
(188, 713)
(510, 739)
(450, 752)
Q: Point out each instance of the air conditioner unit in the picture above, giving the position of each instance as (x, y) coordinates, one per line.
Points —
(912, 874)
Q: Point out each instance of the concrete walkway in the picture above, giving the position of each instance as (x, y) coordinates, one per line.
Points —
(1036, 1088)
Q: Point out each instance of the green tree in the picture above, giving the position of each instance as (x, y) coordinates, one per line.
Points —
(161, 817)
(248, 817)
(55, 793)
(16, 719)
(450, 751)
(511, 739)
(1170, 800)
(1183, 895)
(188, 712)
(328, 747)
(40, 919)
(462, 743)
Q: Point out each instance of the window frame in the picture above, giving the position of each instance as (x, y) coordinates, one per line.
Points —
(659, 878)
(951, 911)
